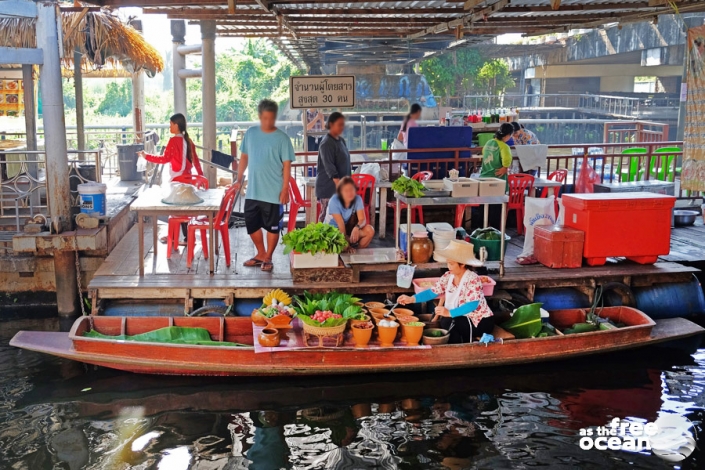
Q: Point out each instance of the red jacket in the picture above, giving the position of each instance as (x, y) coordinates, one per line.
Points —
(174, 154)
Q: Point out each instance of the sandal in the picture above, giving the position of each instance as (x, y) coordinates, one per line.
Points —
(267, 266)
(252, 263)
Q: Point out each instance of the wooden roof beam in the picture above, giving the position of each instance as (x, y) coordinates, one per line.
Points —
(476, 15)
(326, 12)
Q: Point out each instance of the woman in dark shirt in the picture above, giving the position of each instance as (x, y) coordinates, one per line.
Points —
(333, 161)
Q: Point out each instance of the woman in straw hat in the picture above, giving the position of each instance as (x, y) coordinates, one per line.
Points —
(463, 309)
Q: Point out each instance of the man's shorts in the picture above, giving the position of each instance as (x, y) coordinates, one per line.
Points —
(263, 215)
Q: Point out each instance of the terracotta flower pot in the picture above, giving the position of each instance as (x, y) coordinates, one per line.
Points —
(378, 311)
(402, 322)
(387, 335)
(357, 322)
(435, 340)
(361, 336)
(413, 334)
(269, 338)
(258, 319)
(371, 305)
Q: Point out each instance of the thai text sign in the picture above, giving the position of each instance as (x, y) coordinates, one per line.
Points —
(322, 91)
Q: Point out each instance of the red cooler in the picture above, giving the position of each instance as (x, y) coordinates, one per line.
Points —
(632, 225)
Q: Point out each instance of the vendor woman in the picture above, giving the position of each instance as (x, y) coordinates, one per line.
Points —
(463, 309)
(496, 154)
(180, 152)
(347, 212)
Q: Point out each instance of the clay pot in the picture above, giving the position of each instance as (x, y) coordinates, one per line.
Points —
(357, 322)
(433, 340)
(421, 248)
(361, 410)
(410, 404)
(258, 319)
(378, 311)
(361, 336)
(425, 317)
(269, 338)
(279, 321)
(402, 312)
(413, 334)
(387, 335)
(371, 305)
(402, 322)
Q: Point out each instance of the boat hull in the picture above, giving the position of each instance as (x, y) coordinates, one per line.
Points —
(172, 359)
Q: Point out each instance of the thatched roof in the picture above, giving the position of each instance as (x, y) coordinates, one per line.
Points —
(101, 37)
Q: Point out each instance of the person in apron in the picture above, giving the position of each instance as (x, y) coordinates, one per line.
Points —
(462, 307)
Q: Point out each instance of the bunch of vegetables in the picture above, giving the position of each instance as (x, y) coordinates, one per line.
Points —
(315, 238)
(279, 309)
(489, 233)
(342, 306)
(408, 187)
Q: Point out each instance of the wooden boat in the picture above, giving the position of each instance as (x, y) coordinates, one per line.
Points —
(181, 359)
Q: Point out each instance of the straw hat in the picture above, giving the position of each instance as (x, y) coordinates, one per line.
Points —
(459, 251)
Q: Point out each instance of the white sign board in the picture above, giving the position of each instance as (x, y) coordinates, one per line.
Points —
(322, 91)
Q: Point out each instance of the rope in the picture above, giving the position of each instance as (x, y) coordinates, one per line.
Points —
(78, 273)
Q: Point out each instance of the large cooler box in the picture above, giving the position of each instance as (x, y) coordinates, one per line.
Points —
(558, 247)
(632, 225)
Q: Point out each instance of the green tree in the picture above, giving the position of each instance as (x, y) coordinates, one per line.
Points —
(495, 76)
(117, 100)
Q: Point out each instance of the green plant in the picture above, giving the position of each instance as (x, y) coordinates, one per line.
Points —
(315, 238)
(408, 187)
(341, 304)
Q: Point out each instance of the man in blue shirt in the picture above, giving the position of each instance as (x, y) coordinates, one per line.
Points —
(269, 153)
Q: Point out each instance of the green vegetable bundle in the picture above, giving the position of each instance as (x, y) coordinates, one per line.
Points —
(488, 233)
(342, 304)
(315, 238)
(408, 187)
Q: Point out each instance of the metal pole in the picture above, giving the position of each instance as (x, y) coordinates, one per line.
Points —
(208, 94)
(178, 33)
(78, 86)
(138, 105)
(57, 166)
(30, 122)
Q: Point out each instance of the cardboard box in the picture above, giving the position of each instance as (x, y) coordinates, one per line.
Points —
(464, 187)
(489, 187)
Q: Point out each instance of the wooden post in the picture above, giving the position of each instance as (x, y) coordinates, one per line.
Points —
(78, 86)
(57, 165)
(208, 95)
(138, 95)
(178, 36)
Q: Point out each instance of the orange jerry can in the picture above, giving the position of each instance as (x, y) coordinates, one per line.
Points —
(558, 247)
(636, 226)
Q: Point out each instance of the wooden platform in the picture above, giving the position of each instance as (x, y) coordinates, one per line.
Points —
(166, 278)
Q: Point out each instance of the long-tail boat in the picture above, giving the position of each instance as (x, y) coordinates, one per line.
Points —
(220, 360)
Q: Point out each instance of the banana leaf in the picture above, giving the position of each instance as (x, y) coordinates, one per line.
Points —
(326, 324)
(525, 322)
(169, 334)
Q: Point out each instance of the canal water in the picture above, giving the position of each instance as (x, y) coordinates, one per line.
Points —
(57, 414)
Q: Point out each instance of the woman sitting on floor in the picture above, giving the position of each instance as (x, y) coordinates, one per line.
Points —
(463, 309)
(347, 212)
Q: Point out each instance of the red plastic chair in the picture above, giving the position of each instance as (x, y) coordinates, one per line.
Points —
(296, 202)
(416, 211)
(220, 223)
(560, 176)
(174, 223)
(519, 185)
(364, 184)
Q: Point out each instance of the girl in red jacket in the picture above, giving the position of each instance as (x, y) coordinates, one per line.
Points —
(180, 152)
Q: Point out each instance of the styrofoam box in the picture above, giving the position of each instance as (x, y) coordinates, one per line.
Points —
(464, 187)
(319, 260)
(491, 187)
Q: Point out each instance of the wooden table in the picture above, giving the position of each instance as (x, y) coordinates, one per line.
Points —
(382, 186)
(149, 204)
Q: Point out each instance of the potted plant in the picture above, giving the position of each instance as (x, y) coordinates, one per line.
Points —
(314, 246)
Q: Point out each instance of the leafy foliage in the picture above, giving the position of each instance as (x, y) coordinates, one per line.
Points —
(117, 100)
(525, 321)
(408, 187)
(329, 323)
(342, 304)
(315, 238)
(495, 76)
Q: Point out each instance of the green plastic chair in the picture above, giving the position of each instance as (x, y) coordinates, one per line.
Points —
(664, 172)
(633, 172)
(483, 138)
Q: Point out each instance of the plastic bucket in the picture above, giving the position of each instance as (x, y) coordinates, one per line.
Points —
(442, 238)
(493, 247)
(127, 161)
(92, 197)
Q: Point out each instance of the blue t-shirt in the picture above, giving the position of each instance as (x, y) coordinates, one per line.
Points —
(335, 206)
(267, 152)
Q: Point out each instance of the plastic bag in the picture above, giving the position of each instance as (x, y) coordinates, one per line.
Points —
(371, 169)
(141, 165)
(587, 178)
(537, 211)
(398, 145)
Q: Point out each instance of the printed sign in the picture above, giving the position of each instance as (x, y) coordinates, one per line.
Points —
(693, 173)
(322, 91)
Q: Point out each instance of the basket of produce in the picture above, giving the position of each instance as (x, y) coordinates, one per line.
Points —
(491, 239)
(275, 312)
(326, 315)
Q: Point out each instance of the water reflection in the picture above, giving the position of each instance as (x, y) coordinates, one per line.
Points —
(57, 414)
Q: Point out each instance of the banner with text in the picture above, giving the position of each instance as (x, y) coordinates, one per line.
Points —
(322, 91)
(693, 174)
